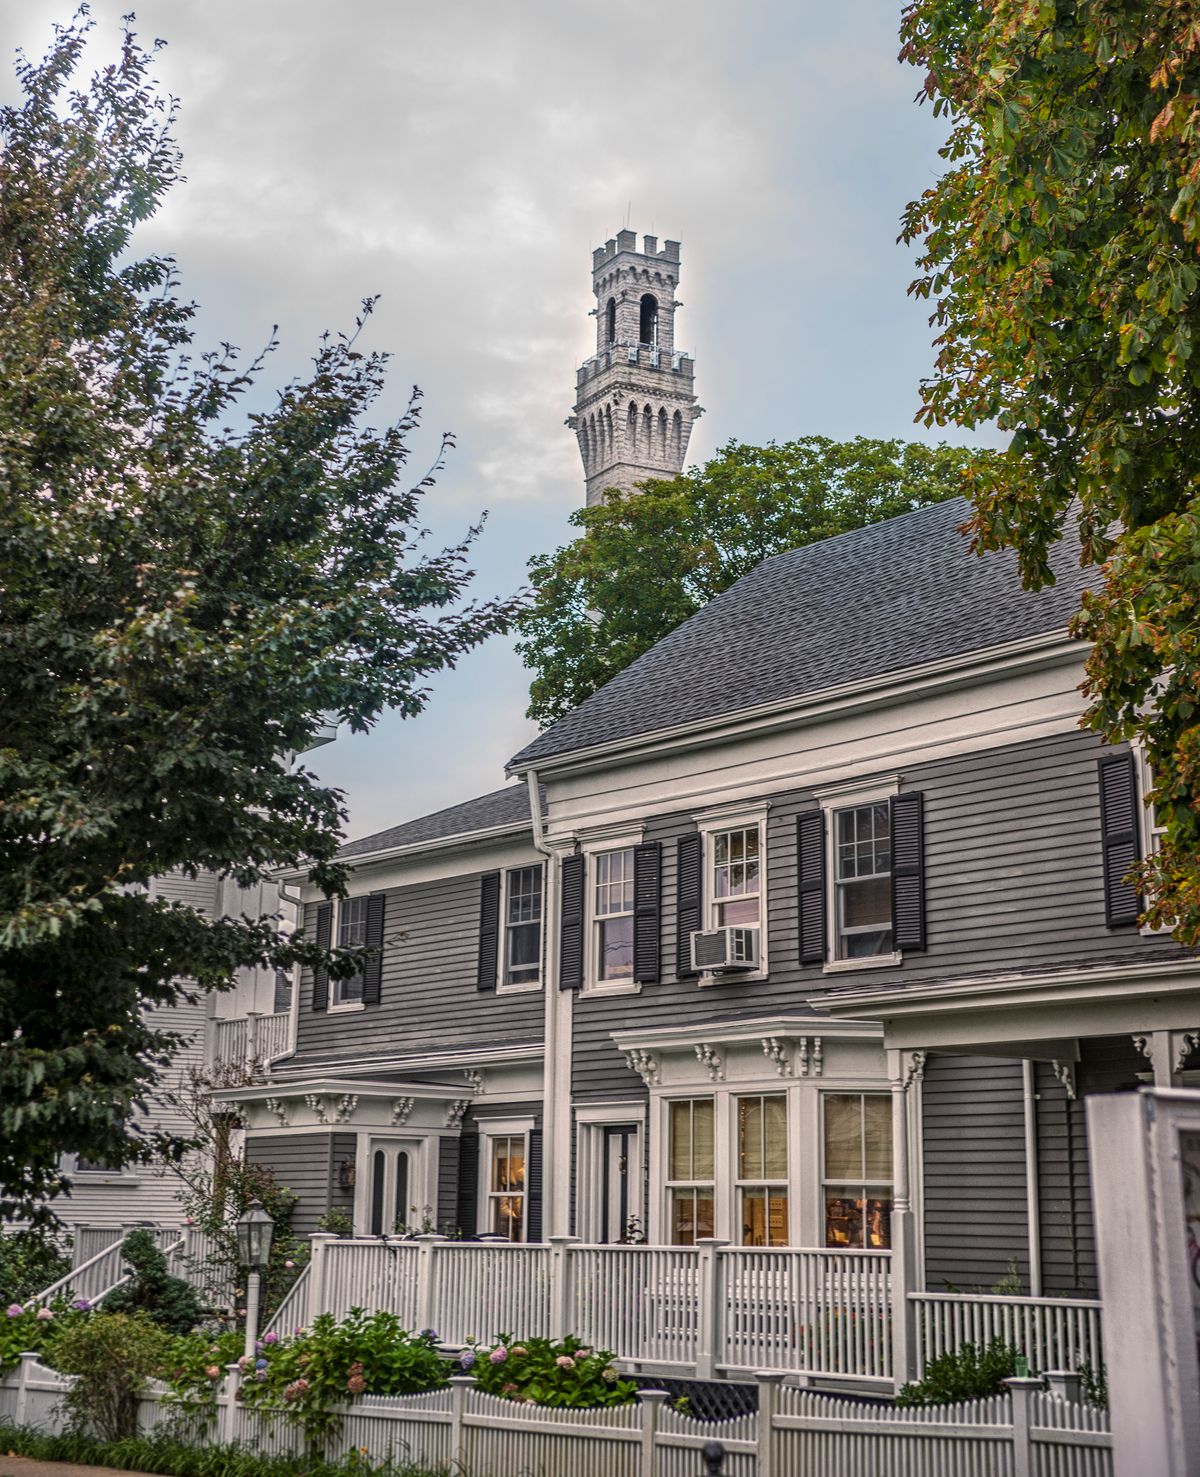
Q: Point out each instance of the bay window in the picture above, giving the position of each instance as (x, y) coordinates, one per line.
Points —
(857, 1169)
(690, 1170)
(762, 1169)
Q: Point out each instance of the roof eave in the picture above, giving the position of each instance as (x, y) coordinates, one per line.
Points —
(463, 840)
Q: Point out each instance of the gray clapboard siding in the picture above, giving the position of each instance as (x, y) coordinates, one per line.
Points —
(302, 1163)
(428, 994)
(976, 1217)
(1013, 881)
(447, 1188)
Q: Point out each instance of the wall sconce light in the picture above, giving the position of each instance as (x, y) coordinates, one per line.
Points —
(346, 1174)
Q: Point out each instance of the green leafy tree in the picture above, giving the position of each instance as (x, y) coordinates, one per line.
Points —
(152, 1290)
(1059, 253)
(186, 593)
(648, 559)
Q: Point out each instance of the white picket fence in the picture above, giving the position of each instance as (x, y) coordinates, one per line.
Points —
(1028, 1431)
(703, 1310)
(1053, 1333)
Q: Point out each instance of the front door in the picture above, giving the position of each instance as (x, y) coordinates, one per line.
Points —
(618, 1177)
(392, 1189)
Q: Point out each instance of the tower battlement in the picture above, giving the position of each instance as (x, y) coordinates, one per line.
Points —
(634, 402)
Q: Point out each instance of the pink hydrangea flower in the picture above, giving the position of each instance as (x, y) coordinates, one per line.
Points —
(289, 1265)
(498, 1354)
(564, 1361)
(213, 1371)
(356, 1384)
(44, 1314)
(270, 1338)
(15, 1310)
(518, 1351)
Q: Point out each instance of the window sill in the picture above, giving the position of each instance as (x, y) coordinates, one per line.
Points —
(612, 987)
(344, 1007)
(526, 987)
(734, 977)
(81, 1177)
(849, 966)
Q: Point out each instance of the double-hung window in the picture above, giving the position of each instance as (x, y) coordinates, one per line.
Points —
(858, 1169)
(613, 913)
(690, 1170)
(523, 925)
(762, 1169)
(505, 1185)
(862, 852)
(351, 934)
(736, 877)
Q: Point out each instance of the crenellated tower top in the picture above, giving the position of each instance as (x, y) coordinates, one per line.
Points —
(634, 399)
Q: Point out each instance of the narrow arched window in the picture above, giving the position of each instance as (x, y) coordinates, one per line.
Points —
(648, 329)
(631, 434)
(662, 434)
(610, 322)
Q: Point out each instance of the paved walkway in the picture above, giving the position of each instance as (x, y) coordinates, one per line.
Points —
(23, 1466)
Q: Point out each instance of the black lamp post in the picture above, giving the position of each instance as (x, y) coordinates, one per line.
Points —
(254, 1231)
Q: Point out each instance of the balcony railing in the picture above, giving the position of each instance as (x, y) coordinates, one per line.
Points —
(251, 1038)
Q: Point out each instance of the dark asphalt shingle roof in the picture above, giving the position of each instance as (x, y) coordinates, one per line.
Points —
(509, 806)
(877, 600)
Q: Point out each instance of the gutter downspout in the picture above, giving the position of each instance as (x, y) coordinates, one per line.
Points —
(1032, 1193)
(554, 1157)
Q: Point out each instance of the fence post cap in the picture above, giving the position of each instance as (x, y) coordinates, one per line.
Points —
(431, 1236)
(561, 1240)
(324, 1236)
(653, 1396)
(461, 1380)
(1024, 1382)
(770, 1376)
(712, 1241)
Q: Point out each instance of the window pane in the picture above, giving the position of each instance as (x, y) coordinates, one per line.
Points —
(775, 1134)
(691, 1216)
(524, 951)
(764, 1217)
(879, 1221)
(702, 1130)
(865, 945)
(508, 1215)
(740, 914)
(508, 1163)
(352, 922)
(843, 1136)
(843, 1218)
(867, 903)
(681, 1141)
(750, 1127)
(877, 1135)
(616, 949)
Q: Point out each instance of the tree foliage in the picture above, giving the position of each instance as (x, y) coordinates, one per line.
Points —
(187, 589)
(648, 559)
(1059, 252)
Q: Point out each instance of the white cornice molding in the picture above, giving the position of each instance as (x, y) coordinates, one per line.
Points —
(1013, 658)
(464, 841)
(472, 1057)
(1104, 982)
(687, 1038)
(334, 1087)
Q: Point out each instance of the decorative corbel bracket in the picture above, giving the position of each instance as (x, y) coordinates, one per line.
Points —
(474, 1080)
(278, 1108)
(401, 1108)
(645, 1065)
(777, 1049)
(345, 1105)
(316, 1105)
(1065, 1073)
(455, 1112)
(1185, 1044)
(711, 1058)
(916, 1068)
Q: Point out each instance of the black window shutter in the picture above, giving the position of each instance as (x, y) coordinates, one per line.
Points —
(689, 906)
(533, 1187)
(810, 870)
(489, 931)
(1119, 838)
(647, 907)
(570, 935)
(373, 969)
(908, 872)
(324, 930)
(467, 1204)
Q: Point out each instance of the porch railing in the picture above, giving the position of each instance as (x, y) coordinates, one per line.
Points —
(701, 1309)
(251, 1038)
(1053, 1333)
(98, 1267)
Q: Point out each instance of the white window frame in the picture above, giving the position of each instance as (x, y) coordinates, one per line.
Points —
(769, 1183)
(336, 1005)
(710, 824)
(825, 1182)
(831, 800)
(667, 1185)
(505, 986)
(490, 1130)
(596, 845)
(1149, 830)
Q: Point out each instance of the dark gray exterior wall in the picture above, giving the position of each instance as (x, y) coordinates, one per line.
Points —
(428, 997)
(976, 1211)
(1013, 881)
(302, 1163)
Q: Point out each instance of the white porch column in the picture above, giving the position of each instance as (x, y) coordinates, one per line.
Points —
(904, 1067)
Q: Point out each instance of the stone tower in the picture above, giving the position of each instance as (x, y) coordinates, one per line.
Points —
(634, 399)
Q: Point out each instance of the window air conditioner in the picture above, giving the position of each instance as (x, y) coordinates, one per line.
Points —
(725, 950)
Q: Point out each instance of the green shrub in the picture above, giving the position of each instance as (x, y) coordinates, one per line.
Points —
(112, 1356)
(165, 1454)
(334, 1362)
(152, 1290)
(567, 1374)
(34, 1330)
(30, 1261)
(194, 1367)
(967, 1373)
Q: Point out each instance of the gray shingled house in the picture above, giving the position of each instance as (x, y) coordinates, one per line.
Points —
(816, 938)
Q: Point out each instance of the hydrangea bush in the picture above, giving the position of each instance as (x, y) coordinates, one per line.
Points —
(568, 1373)
(35, 1330)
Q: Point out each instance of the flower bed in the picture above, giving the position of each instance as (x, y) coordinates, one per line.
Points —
(566, 1374)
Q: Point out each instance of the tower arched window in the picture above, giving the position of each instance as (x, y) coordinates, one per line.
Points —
(662, 434)
(631, 433)
(648, 323)
(610, 321)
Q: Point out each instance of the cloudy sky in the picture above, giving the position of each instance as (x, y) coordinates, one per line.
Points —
(462, 158)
